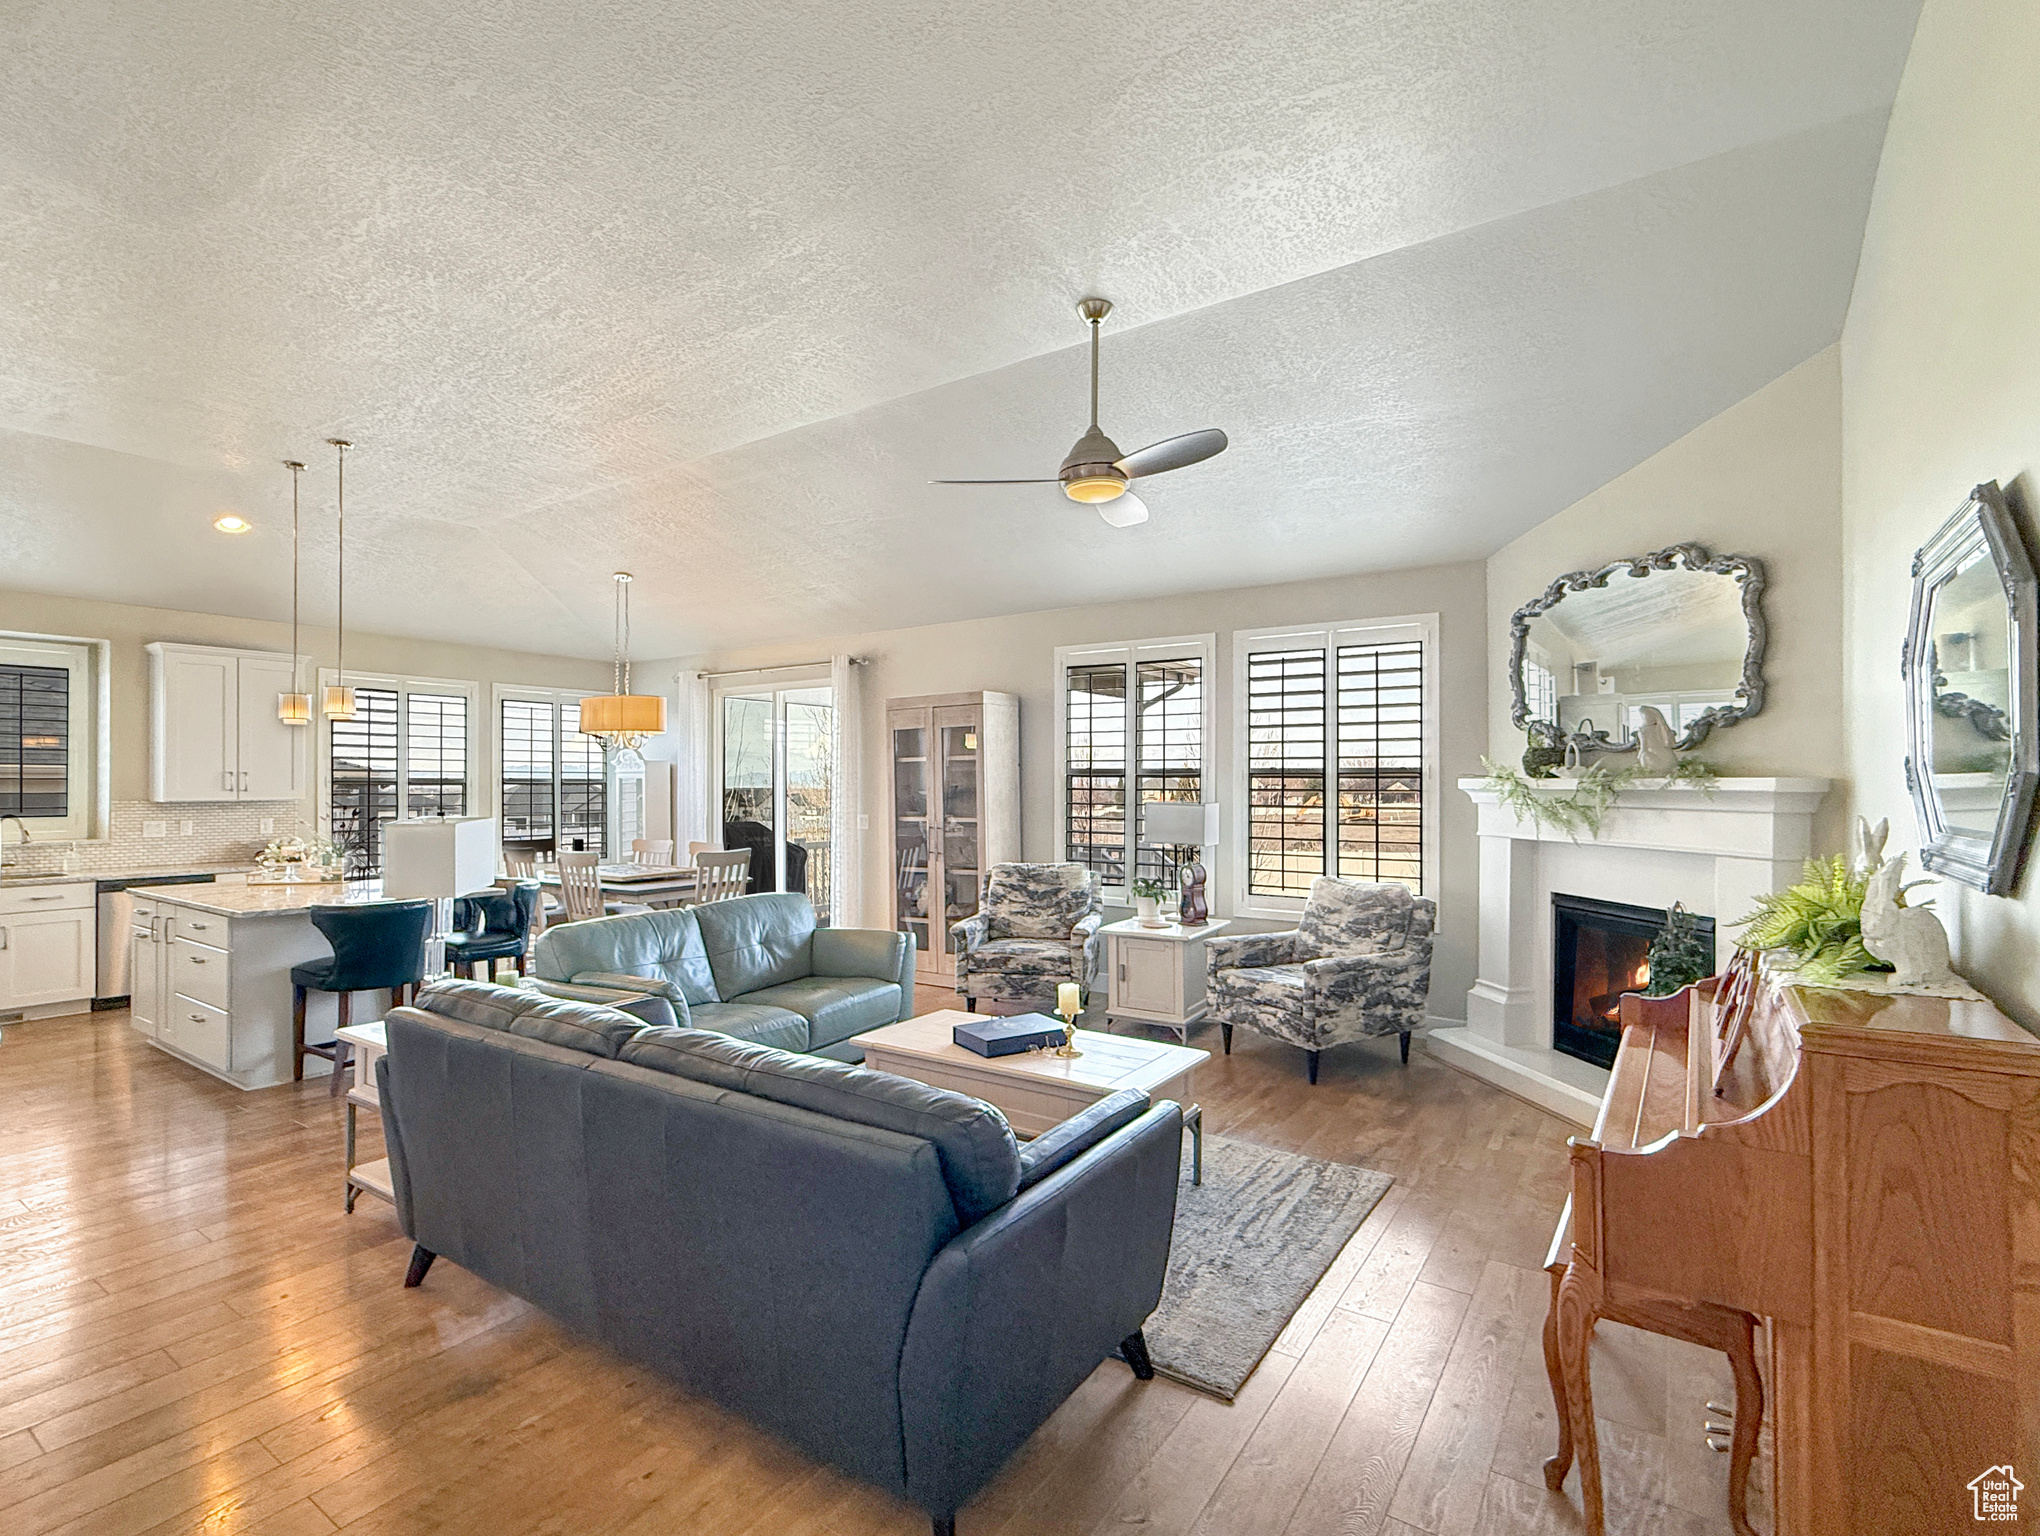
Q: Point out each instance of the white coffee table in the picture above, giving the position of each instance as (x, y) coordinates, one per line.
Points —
(1037, 1090)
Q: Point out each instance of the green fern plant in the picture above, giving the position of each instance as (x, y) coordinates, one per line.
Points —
(1819, 921)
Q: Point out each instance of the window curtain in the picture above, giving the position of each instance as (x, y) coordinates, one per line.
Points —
(694, 770)
(846, 795)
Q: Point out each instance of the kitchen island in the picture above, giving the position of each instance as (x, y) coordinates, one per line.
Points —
(210, 980)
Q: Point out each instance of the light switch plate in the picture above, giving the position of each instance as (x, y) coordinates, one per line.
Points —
(184, 828)
(155, 829)
(268, 824)
(864, 823)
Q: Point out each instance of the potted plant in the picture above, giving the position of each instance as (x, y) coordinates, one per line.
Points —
(1147, 902)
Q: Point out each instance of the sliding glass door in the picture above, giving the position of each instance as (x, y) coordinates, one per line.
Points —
(775, 757)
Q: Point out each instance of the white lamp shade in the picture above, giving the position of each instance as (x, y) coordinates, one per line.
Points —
(439, 858)
(1180, 823)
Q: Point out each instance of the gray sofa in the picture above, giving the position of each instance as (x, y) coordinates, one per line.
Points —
(755, 967)
(868, 1267)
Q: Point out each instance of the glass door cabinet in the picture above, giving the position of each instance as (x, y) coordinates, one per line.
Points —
(955, 813)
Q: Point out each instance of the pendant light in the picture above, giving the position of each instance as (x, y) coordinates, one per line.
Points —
(623, 719)
(339, 697)
(294, 708)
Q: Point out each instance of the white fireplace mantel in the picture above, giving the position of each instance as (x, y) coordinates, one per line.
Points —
(1716, 849)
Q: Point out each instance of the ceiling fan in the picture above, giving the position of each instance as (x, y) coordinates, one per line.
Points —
(1096, 473)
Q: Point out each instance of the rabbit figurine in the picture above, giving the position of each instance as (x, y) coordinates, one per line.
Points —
(1657, 749)
(1868, 853)
(1910, 938)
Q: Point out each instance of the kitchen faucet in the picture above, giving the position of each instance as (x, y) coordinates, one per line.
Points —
(4, 860)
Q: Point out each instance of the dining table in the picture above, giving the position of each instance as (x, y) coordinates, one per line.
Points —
(647, 885)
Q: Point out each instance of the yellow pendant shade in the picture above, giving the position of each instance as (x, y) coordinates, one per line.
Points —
(623, 714)
(339, 702)
(294, 708)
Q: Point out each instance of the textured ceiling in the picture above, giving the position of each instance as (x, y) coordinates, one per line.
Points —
(710, 291)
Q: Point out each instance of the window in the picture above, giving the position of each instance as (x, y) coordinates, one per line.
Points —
(35, 741)
(1133, 720)
(405, 753)
(1337, 748)
(554, 792)
(52, 734)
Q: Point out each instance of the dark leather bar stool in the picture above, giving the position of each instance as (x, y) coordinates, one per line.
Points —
(377, 947)
(490, 926)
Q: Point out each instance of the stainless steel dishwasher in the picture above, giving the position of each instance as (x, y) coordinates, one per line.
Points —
(116, 917)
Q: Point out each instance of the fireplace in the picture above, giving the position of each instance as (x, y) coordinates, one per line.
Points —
(1600, 949)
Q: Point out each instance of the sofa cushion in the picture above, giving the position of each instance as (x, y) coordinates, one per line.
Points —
(759, 1023)
(575, 1026)
(1349, 917)
(666, 944)
(756, 941)
(835, 1007)
(645, 1007)
(980, 1159)
(1037, 901)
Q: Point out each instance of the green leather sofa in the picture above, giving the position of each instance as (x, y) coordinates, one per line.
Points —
(755, 967)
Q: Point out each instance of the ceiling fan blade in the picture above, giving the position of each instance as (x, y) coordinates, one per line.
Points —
(992, 482)
(1173, 453)
(1123, 510)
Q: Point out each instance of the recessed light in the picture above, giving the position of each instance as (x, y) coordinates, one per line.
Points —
(233, 522)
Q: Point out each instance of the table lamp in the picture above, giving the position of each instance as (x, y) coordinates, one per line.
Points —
(1185, 824)
(440, 858)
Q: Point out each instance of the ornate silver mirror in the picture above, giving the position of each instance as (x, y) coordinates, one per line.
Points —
(1679, 630)
(1969, 678)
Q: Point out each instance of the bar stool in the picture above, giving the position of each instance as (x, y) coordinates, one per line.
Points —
(377, 946)
(491, 926)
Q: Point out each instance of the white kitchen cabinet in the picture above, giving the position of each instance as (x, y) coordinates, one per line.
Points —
(48, 949)
(214, 731)
(145, 970)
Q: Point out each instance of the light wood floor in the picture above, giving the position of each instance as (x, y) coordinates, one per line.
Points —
(193, 1338)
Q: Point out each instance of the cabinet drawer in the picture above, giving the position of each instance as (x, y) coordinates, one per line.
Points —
(26, 899)
(198, 1030)
(199, 971)
(204, 928)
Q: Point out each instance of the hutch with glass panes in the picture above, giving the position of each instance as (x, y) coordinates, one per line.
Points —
(955, 812)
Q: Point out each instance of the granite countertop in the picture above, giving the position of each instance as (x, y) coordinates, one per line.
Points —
(268, 900)
(12, 877)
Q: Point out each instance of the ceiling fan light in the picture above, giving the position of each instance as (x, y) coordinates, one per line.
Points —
(1094, 488)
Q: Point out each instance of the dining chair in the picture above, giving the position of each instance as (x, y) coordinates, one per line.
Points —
(520, 863)
(695, 850)
(580, 886)
(651, 850)
(377, 946)
(719, 876)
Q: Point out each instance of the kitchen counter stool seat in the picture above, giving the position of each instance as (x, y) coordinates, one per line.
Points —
(377, 947)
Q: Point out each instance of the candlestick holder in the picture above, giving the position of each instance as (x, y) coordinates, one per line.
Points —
(1068, 1049)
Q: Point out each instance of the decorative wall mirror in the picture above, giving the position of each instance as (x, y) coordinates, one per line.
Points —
(1968, 667)
(1678, 629)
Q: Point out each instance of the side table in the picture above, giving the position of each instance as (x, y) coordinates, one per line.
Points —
(370, 1043)
(1156, 975)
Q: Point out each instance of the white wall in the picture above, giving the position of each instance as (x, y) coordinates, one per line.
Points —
(1015, 654)
(1941, 390)
(229, 833)
(1763, 478)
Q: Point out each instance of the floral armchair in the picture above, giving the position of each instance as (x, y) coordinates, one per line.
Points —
(1038, 927)
(1358, 963)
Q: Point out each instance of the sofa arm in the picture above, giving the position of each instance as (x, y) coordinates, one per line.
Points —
(652, 1007)
(1068, 1141)
(1225, 952)
(1018, 1309)
(971, 931)
(879, 953)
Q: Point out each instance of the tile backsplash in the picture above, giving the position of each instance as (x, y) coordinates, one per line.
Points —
(221, 834)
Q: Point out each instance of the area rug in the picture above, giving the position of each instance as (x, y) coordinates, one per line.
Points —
(1250, 1243)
